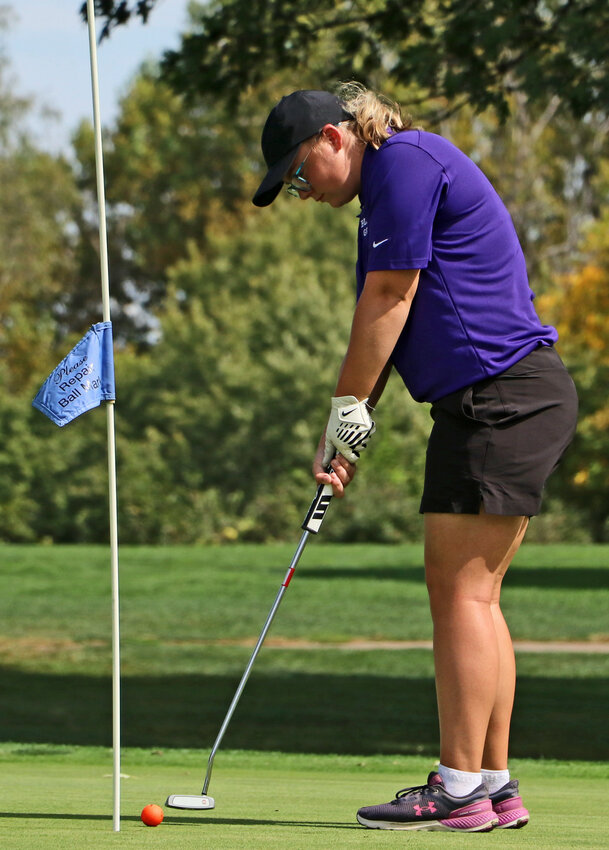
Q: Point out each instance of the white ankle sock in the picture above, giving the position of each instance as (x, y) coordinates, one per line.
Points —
(459, 783)
(495, 779)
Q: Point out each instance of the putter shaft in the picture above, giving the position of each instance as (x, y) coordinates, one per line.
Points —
(250, 664)
(311, 525)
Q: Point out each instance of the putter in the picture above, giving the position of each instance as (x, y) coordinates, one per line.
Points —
(311, 525)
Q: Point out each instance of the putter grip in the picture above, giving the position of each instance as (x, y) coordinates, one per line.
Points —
(319, 506)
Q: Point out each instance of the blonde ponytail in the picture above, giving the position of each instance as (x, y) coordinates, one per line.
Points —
(375, 118)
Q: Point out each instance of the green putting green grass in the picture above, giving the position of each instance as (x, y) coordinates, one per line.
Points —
(62, 798)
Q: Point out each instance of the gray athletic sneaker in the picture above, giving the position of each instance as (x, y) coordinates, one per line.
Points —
(431, 807)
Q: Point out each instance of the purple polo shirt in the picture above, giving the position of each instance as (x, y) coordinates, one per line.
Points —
(426, 205)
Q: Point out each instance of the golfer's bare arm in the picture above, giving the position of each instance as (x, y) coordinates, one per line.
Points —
(379, 318)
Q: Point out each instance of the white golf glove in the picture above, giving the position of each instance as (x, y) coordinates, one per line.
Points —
(349, 428)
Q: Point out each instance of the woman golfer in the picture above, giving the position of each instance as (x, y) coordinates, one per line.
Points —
(443, 298)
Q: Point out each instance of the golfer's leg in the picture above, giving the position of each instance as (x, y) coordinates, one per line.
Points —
(466, 556)
(495, 755)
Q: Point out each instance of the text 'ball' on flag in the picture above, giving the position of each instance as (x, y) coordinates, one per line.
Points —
(83, 379)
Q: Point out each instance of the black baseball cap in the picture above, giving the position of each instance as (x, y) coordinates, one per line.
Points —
(296, 117)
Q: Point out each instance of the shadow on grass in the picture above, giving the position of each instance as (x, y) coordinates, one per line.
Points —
(414, 574)
(172, 820)
(293, 712)
(60, 816)
(565, 578)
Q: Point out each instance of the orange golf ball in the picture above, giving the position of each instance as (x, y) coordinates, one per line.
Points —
(152, 814)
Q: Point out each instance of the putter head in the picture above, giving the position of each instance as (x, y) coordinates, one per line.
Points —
(190, 801)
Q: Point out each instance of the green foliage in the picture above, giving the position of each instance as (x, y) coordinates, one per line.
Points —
(16, 473)
(172, 174)
(53, 486)
(41, 211)
(548, 170)
(117, 12)
(478, 52)
(36, 255)
(580, 308)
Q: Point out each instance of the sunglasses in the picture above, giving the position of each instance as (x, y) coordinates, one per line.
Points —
(298, 184)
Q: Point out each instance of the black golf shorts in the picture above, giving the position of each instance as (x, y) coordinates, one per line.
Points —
(496, 442)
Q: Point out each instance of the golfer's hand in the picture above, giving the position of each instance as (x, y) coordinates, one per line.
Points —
(349, 428)
(342, 470)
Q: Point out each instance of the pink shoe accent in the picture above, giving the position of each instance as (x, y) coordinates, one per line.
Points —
(511, 813)
(418, 810)
(477, 817)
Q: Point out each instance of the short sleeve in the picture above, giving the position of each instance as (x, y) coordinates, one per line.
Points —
(405, 187)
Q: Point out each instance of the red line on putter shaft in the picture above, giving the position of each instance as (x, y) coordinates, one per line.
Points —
(288, 577)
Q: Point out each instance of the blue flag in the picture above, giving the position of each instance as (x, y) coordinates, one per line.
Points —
(82, 380)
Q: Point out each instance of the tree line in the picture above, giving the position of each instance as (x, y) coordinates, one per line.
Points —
(230, 321)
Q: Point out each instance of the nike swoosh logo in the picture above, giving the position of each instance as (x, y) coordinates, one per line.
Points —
(376, 244)
(347, 412)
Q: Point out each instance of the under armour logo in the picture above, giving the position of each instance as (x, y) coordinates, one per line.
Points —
(420, 809)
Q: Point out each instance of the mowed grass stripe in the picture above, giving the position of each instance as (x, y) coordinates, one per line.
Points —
(315, 701)
(55, 611)
(339, 593)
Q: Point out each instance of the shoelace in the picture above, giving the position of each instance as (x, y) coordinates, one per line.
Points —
(416, 788)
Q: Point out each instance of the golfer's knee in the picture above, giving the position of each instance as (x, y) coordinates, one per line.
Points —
(451, 594)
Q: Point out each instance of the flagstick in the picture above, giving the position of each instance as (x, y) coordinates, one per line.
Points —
(103, 246)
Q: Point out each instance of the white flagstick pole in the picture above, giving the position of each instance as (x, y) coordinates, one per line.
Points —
(103, 247)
